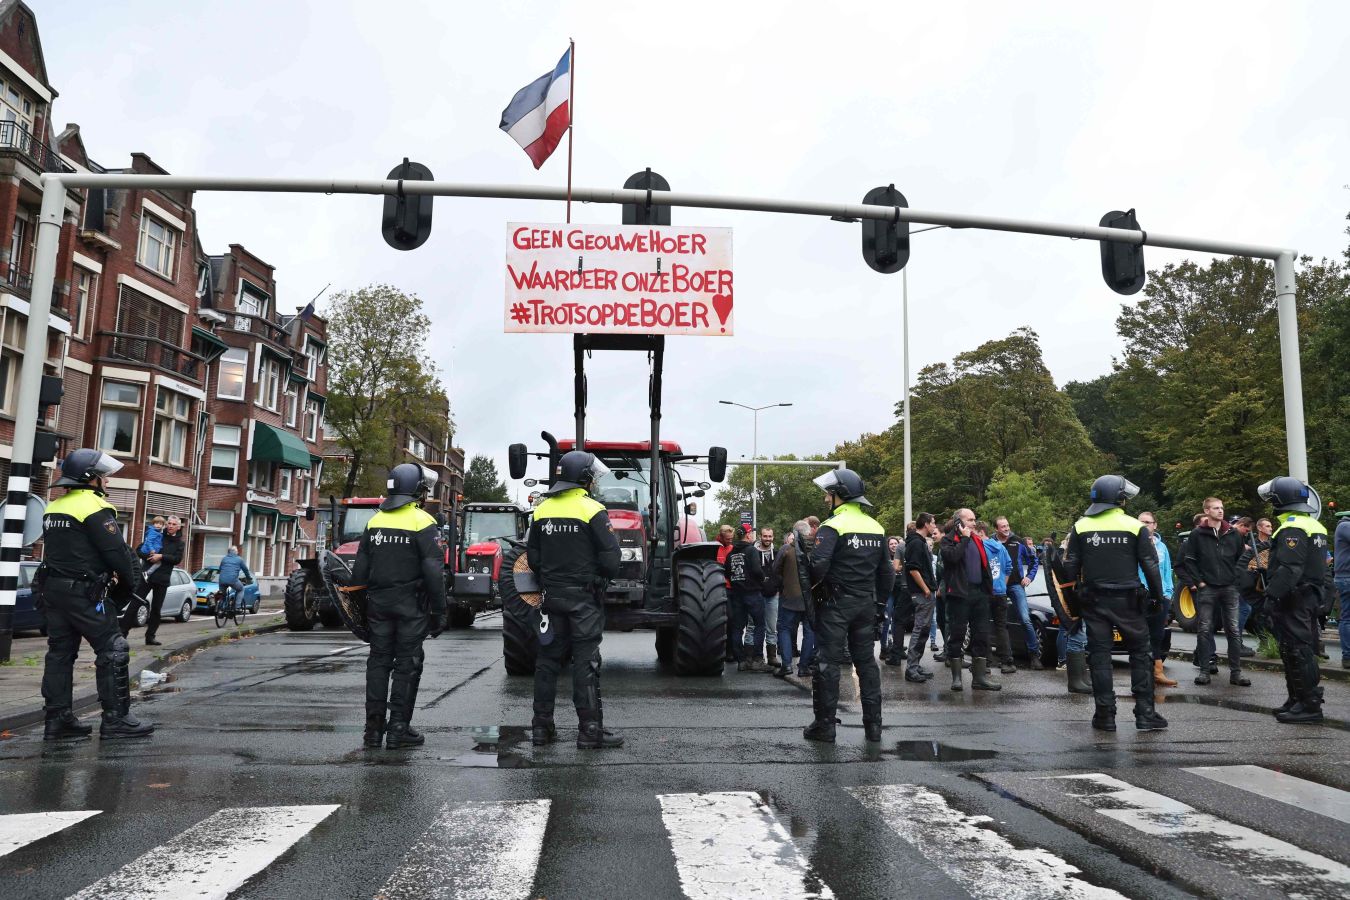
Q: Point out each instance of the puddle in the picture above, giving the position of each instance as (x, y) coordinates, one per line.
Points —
(495, 746)
(935, 751)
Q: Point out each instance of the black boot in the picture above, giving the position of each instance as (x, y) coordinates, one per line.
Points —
(374, 735)
(955, 665)
(1077, 668)
(979, 676)
(1104, 719)
(872, 731)
(592, 735)
(1308, 708)
(121, 724)
(63, 726)
(1146, 717)
(872, 722)
(401, 735)
(821, 730)
(542, 731)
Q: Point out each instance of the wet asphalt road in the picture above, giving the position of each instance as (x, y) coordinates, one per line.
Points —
(276, 721)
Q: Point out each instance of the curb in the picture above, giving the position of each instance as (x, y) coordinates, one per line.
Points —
(15, 721)
(1330, 673)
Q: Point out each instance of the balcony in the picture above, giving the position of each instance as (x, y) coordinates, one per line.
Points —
(15, 139)
(16, 281)
(118, 346)
(260, 326)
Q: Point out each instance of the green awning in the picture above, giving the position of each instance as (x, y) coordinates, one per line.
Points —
(271, 444)
(209, 338)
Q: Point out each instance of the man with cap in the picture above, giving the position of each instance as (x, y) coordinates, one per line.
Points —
(573, 550)
(1107, 550)
(83, 550)
(401, 561)
(1294, 583)
(852, 560)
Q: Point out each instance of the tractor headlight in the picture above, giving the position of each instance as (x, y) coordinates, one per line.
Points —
(631, 554)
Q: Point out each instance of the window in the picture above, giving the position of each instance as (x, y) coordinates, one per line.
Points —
(269, 383)
(173, 417)
(16, 330)
(203, 281)
(120, 417)
(312, 416)
(313, 357)
(225, 456)
(292, 404)
(304, 480)
(156, 245)
(255, 546)
(233, 375)
(16, 108)
(285, 491)
(251, 302)
(260, 475)
(85, 289)
(220, 518)
(417, 447)
(213, 548)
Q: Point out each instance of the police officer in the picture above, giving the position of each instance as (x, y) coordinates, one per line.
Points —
(1294, 583)
(83, 549)
(573, 550)
(852, 558)
(401, 560)
(1107, 550)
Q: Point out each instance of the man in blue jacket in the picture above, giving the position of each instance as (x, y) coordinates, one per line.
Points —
(1000, 567)
(1025, 564)
(227, 575)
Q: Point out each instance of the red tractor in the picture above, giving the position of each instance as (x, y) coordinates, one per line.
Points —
(306, 601)
(675, 588)
(486, 532)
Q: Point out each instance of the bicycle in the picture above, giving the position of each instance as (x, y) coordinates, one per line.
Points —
(228, 606)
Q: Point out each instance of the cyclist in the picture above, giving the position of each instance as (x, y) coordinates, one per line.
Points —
(227, 575)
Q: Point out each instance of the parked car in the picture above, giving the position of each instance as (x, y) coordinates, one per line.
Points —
(206, 582)
(179, 600)
(26, 616)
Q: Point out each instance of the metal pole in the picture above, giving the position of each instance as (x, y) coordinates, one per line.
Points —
(1292, 376)
(26, 408)
(904, 306)
(754, 476)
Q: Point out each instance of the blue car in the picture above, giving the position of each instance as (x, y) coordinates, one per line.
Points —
(207, 586)
(26, 618)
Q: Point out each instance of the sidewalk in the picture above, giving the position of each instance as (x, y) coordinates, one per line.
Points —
(21, 679)
(1183, 645)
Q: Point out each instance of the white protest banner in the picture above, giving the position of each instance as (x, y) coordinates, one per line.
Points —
(618, 279)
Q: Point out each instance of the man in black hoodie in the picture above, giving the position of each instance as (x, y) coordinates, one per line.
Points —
(1211, 572)
(922, 585)
(746, 577)
(965, 571)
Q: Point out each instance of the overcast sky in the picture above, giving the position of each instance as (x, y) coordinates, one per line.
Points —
(1217, 119)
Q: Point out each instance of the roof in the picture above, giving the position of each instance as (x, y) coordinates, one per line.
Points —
(637, 446)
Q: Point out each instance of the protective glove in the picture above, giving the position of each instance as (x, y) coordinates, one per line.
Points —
(436, 624)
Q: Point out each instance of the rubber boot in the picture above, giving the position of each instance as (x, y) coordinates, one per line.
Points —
(542, 731)
(592, 735)
(1160, 677)
(773, 656)
(374, 734)
(872, 722)
(1078, 672)
(821, 730)
(116, 725)
(955, 666)
(63, 726)
(1146, 717)
(401, 735)
(979, 676)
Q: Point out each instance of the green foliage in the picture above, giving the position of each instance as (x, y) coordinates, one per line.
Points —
(482, 483)
(786, 494)
(1019, 497)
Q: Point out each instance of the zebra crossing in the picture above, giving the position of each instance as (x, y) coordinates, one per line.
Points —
(726, 844)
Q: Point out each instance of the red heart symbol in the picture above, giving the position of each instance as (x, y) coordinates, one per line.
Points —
(722, 306)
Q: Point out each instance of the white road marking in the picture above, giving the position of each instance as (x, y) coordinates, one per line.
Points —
(730, 845)
(1309, 795)
(1255, 856)
(23, 828)
(213, 857)
(472, 851)
(343, 649)
(970, 852)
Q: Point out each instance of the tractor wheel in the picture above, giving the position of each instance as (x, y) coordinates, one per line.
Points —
(666, 639)
(520, 621)
(300, 602)
(1183, 610)
(461, 617)
(701, 640)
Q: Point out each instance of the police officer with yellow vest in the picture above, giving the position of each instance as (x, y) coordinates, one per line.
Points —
(1294, 581)
(82, 549)
(853, 561)
(573, 550)
(401, 560)
(1108, 548)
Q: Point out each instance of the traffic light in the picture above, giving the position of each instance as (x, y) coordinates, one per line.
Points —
(407, 220)
(885, 244)
(45, 443)
(646, 213)
(1122, 263)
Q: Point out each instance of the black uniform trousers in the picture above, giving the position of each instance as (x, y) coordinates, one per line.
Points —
(845, 632)
(1298, 626)
(71, 615)
(397, 621)
(576, 623)
(1104, 612)
(968, 613)
(998, 615)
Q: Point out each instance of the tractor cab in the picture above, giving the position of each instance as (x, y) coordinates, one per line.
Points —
(352, 516)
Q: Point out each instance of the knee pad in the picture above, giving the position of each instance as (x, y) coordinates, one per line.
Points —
(119, 651)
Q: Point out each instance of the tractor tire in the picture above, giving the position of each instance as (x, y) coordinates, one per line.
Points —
(701, 639)
(461, 617)
(300, 602)
(666, 639)
(1183, 610)
(520, 621)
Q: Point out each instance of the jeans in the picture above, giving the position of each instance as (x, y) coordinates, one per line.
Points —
(1018, 595)
(771, 620)
(1343, 617)
(1244, 612)
(788, 619)
(747, 608)
(1072, 638)
(886, 621)
(1159, 636)
(1221, 599)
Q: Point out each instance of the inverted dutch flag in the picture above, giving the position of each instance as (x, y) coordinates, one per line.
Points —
(540, 113)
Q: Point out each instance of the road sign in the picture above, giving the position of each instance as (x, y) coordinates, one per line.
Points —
(746, 518)
(618, 279)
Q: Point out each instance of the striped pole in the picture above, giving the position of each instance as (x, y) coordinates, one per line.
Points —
(26, 409)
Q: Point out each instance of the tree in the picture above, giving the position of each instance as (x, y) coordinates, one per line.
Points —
(380, 379)
(786, 495)
(1019, 497)
(482, 484)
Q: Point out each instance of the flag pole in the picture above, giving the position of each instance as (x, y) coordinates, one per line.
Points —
(571, 112)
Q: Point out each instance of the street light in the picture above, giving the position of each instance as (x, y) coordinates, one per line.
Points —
(754, 452)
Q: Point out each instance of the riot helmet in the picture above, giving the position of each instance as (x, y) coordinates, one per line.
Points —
(408, 483)
(1110, 491)
(844, 484)
(84, 465)
(1289, 494)
(577, 469)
